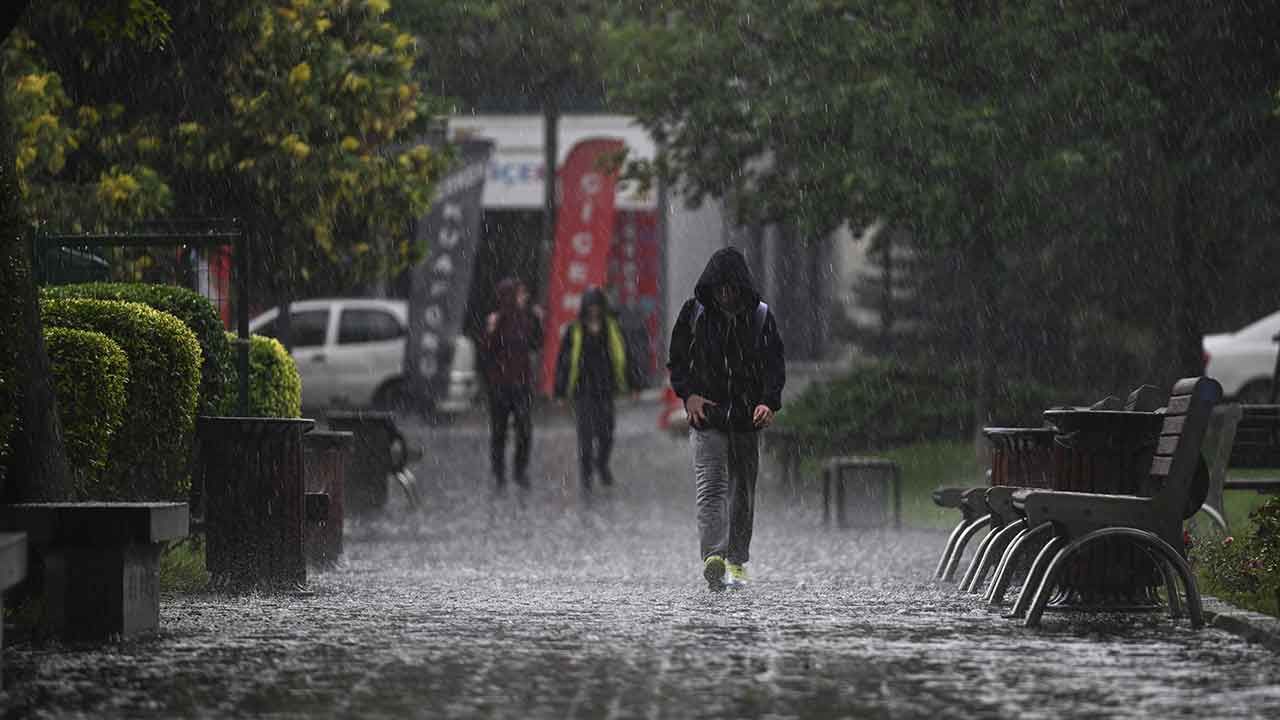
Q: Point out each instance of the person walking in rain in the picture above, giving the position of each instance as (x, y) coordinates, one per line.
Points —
(591, 367)
(726, 363)
(512, 334)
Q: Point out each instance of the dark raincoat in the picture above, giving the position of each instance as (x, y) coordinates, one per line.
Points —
(730, 358)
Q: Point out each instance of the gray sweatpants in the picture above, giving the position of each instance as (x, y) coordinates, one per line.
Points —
(724, 467)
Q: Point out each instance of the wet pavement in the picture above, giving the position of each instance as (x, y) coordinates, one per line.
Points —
(545, 604)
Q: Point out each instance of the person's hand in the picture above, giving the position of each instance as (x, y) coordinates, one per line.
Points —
(763, 416)
(537, 311)
(695, 406)
(491, 322)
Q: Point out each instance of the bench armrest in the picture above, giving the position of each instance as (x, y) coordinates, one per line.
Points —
(950, 497)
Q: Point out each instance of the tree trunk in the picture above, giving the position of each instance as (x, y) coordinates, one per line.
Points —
(1189, 297)
(984, 355)
(37, 463)
(550, 153)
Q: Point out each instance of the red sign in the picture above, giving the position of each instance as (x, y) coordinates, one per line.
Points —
(584, 227)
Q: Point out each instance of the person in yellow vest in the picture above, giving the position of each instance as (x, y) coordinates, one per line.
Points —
(591, 368)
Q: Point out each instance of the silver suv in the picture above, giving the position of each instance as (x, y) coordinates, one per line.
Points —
(350, 353)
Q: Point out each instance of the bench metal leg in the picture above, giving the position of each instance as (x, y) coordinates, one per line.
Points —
(1145, 539)
(958, 551)
(1039, 569)
(995, 550)
(1215, 515)
(951, 543)
(978, 555)
(1009, 563)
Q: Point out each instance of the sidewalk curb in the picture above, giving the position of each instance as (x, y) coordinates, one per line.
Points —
(1252, 626)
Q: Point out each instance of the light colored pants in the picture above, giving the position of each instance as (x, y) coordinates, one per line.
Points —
(725, 466)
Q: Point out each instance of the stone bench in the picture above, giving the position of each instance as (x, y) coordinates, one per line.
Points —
(97, 564)
(13, 568)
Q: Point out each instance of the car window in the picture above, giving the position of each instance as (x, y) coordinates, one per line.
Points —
(309, 327)
(1263, 329)
(360, 325)
(267, 329)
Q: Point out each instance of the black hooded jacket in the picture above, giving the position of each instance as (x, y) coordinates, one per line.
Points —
(595, 370)
(727, 357)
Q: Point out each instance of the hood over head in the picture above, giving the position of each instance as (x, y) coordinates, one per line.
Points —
(593, 296)
(506, 291)
(727, 265)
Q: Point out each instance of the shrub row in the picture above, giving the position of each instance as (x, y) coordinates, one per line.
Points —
(884, 405)
(275, 388)
(90, 372)
(217, 370)
(149, 454)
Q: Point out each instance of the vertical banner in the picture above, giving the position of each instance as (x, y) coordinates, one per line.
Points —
(584, 227)
(439, 284)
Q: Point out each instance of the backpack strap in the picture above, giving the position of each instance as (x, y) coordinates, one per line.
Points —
(762, 314)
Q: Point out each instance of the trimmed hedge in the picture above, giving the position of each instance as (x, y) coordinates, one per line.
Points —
(217, 371)
(883, 405)
(150, 453)
(90, 372)
(275, 388)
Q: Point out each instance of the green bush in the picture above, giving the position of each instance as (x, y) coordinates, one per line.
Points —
(150, 453)
(884, 405)
(275, 388)
(217, 372)
(90, 372)
(1244, 570)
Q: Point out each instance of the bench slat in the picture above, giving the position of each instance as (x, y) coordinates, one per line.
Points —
(1161, 465)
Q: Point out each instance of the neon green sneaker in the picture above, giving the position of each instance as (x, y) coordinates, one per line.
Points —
(734, 574)
(713, 571)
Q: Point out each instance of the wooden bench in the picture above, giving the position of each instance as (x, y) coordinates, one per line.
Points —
(97, 565)
(1074, 521)
(379, 452)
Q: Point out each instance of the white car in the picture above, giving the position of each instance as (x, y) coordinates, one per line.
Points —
(350, 353)
(1244, 361)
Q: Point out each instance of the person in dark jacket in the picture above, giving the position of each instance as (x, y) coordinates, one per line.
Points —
(591, 367)
(512, 334)
(726, 363)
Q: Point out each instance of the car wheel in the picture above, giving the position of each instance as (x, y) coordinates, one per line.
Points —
(393, 397)
(1257, 392)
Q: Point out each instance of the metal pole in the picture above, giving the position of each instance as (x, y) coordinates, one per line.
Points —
(242, 322)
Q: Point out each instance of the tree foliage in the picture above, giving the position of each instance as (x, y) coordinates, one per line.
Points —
(1063, 172)
(299, 116)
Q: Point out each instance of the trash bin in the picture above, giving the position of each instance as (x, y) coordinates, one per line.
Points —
(325, 454)
(255, 511)
(862, 488)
